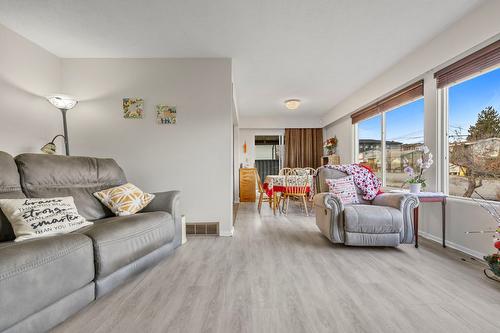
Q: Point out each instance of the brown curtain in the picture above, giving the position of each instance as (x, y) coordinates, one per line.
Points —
(303, 147)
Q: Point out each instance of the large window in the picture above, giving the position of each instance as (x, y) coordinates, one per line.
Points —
(404, 134)
(370, 143)
(474, 136)
(400, 131)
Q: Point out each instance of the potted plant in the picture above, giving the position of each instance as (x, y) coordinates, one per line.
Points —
(493, 260)
(330, 145)
(416, 179)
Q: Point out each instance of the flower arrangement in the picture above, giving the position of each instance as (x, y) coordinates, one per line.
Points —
(494, 263)
(416, 179)
(330, 145)
(493, 260)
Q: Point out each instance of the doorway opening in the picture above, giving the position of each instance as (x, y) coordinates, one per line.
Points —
(269, 154)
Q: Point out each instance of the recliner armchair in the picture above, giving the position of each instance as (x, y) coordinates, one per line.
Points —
(384, 221)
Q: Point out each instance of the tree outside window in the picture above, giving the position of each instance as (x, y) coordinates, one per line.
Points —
(474, 137)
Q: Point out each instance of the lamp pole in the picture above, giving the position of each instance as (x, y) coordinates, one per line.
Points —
(63, 103)
(65, 125)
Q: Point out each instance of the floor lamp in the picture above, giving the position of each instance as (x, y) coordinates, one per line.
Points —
(63, 103)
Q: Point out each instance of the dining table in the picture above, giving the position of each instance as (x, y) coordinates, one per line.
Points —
(274, 184)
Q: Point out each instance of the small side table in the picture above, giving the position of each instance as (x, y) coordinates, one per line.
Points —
(430, 197)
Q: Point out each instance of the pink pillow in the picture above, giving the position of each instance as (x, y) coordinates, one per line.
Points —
(343, 188)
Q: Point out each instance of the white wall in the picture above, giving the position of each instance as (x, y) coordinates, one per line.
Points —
(345, 144)
(194, 155)
(27, 74)
(248, 135)
(236, 164)
(469, 34)
(464, 36)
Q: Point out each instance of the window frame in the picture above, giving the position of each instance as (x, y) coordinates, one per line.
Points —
(383, 134)
(444, 134)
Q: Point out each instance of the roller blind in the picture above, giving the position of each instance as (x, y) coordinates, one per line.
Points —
(474, 63)
(403, 96)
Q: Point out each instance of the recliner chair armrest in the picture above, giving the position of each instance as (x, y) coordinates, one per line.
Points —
(329, 201)
(405, 202)
(329, 216)
(168, 202)
(401, 201)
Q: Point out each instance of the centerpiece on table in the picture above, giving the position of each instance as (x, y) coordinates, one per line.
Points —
(330, 145)
(416, 179)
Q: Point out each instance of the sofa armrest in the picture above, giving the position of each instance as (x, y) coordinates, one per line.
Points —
(168, 202)
(405, 202)
(329, 216)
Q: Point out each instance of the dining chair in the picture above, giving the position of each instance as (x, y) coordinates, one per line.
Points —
(300, 171)
(309, 171)
(296, 185)
(262, 194)
(284, 171)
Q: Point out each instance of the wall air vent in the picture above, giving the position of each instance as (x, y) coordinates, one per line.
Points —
(197, 229)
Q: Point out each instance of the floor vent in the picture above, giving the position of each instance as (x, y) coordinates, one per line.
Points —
(211, 229)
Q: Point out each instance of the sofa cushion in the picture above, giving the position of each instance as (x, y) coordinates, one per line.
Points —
(120, 240)
(48, 176)
(37, 273)
(10, 188)
(370, 219)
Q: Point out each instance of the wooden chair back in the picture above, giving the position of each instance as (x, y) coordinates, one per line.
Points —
(296, 183)
(310, 171)
(259, 182)
(284, 171)
(305, 171)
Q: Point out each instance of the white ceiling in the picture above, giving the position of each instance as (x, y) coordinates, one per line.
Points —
(317, 50)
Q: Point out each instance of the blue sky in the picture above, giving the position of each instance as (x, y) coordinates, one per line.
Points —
(466, 100)
(404, 124)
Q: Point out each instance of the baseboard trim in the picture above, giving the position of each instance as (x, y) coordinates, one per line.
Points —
(453, 245)
(227, 233)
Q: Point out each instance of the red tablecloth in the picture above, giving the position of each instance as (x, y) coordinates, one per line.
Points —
(277, 189)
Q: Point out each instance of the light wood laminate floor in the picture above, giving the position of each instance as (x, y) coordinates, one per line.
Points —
(279, 274)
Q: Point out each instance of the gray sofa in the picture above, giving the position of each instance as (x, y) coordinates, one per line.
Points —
(44, 281)
(385, 221)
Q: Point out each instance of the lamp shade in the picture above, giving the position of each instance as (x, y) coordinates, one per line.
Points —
(49, 148)
(63, 102)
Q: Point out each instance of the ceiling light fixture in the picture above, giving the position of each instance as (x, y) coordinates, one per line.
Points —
(292, 104)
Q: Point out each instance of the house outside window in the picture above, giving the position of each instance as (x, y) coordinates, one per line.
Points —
(474, 136)
(393, 136)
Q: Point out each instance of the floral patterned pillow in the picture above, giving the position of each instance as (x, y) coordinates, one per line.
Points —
(124, 200)
(343, 188)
